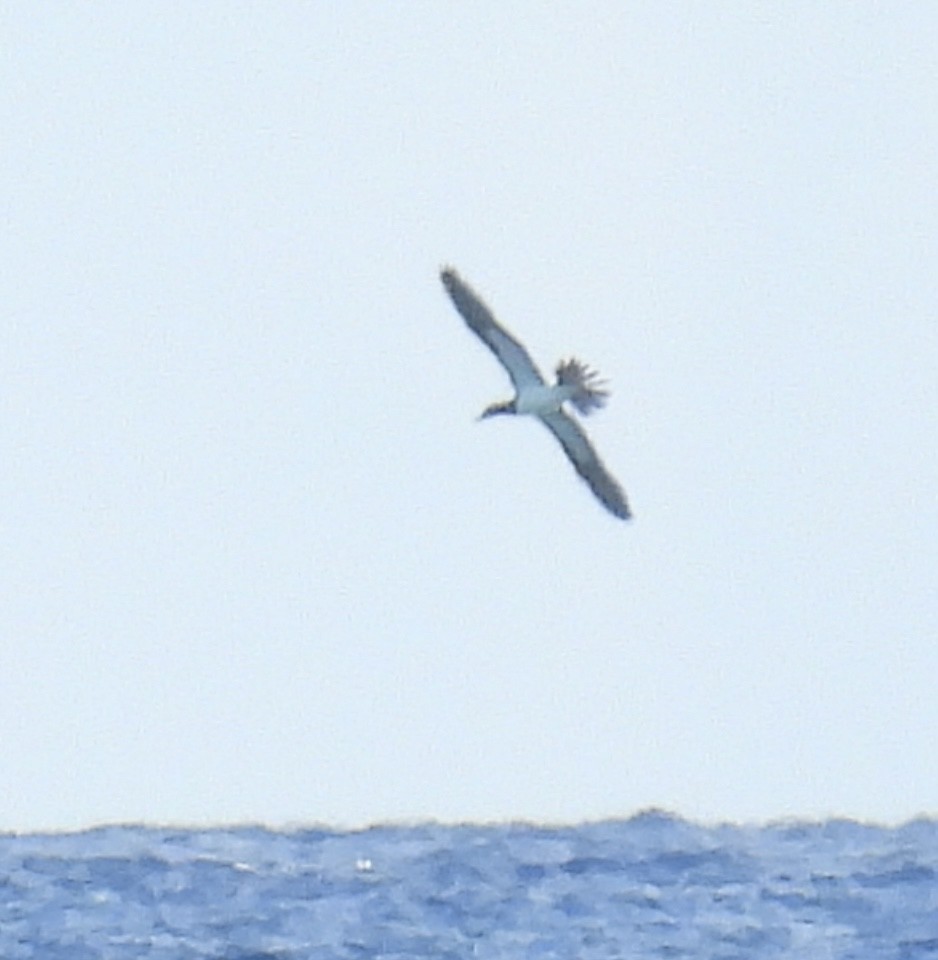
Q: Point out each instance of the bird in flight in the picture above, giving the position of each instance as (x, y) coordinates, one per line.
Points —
(576, 384)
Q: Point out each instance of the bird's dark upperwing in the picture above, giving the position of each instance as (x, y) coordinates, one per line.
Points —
(577, 447)
(513, 357)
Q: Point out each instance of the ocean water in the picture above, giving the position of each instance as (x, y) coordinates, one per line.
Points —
(646, 887)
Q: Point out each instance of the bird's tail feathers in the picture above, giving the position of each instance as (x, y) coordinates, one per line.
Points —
(588, 390)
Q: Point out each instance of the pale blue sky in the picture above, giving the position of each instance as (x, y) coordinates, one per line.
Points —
(260, 563)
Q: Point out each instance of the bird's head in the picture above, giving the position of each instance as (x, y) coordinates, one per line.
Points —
(505, 406)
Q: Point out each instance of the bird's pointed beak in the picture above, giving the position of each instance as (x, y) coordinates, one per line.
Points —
(493, 410)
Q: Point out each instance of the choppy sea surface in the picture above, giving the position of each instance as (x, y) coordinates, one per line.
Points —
(649, 886)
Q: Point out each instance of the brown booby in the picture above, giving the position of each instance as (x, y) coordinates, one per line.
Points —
(576, 384)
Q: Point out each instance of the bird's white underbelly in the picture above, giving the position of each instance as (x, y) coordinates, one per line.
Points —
(540, 399)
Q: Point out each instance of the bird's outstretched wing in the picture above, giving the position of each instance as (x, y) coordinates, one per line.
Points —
(577, 447)
(513, 357)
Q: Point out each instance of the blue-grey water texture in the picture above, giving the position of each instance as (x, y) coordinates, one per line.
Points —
(649, 886)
